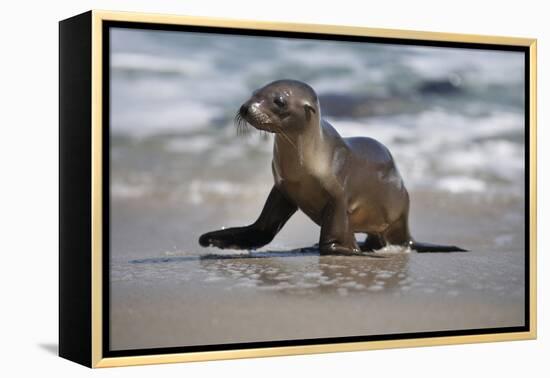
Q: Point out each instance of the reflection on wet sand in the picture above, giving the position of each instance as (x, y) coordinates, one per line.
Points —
(234, 296)
(297, 271)
(319, 274)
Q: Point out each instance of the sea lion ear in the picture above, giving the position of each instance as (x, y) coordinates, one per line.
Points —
(309, 109)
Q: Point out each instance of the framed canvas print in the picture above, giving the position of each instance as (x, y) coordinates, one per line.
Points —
(235, 189)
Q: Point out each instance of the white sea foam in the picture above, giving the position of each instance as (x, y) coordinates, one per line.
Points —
(122, 190)
(199, 189)
(156, 64)
(394, 249)
(190, 144)
(440, 62)
(185, 115)
(459, 184)
(454, 152)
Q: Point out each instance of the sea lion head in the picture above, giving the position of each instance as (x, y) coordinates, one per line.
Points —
(283, 106)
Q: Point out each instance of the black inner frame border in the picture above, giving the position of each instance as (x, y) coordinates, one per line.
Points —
(107, 25)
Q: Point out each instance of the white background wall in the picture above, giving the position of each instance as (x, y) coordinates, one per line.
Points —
(28, 156)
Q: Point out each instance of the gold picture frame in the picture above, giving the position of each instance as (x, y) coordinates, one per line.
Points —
(81, 254)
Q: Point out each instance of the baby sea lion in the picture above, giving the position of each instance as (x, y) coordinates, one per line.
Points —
(345, 185)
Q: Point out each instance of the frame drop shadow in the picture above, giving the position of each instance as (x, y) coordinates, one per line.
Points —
(51, 348)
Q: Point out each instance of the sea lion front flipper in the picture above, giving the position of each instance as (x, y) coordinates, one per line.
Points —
(277, 210)
(336, 236)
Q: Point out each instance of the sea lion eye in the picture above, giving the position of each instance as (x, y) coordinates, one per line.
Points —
(279, 101)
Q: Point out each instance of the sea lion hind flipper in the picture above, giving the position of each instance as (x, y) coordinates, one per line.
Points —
(276, 212)
(429, 247)
(373, 243)
(398, 234)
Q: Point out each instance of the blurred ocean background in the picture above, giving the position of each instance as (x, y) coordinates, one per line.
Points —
(452, 118)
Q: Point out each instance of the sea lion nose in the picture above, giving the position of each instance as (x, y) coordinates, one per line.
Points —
(243, 110)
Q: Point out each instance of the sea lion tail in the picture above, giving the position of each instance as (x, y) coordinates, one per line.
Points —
(429, 247)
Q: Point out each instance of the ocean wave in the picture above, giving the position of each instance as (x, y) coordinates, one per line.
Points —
(183, 88)
(194, 191)
(125, 190)
(183, 116)
(453, 152)
(433, 150)
(164, 81)
(461, 184)
(470, 64)
(145, 63)
(195, 144)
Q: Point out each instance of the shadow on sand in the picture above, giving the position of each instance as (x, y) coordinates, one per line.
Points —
(297, 252)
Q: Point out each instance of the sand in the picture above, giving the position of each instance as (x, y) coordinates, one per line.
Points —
(167, 291)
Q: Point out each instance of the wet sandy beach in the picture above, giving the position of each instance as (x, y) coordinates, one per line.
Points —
(197, 296)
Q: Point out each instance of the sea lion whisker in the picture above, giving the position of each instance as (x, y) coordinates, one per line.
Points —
(286, 137)
(243, 128)
(238, 123)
